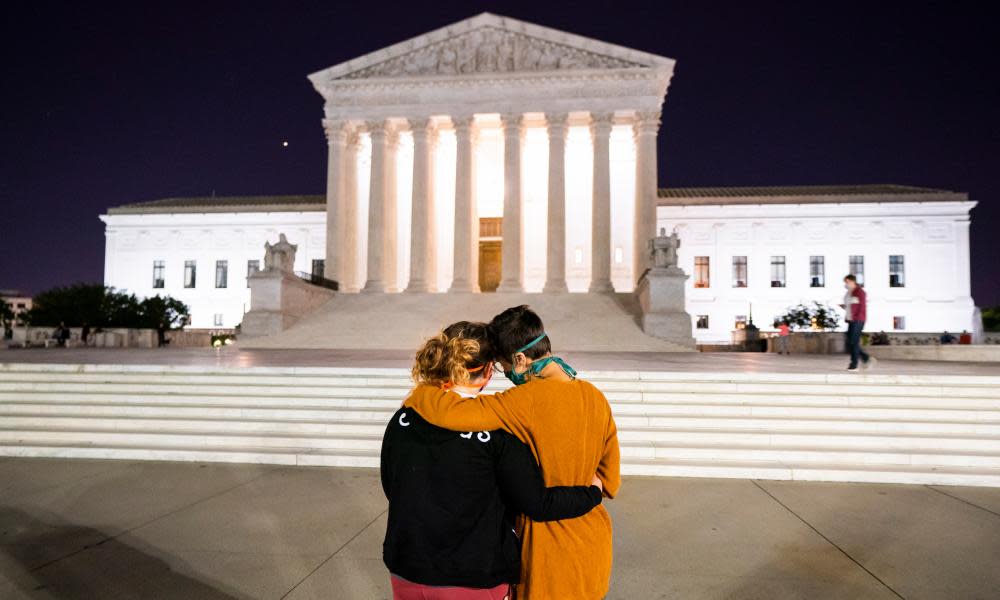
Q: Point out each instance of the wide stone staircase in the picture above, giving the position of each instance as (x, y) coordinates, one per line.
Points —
(822, 427)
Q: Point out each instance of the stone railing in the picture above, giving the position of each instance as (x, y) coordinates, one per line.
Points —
(112, 337)
(278, 299)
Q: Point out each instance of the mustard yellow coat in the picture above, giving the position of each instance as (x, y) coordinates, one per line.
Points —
(570, 430)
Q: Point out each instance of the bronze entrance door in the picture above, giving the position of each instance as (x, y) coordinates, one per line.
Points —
(489, 264)
(490, 253)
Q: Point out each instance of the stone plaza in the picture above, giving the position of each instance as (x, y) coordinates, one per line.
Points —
(77, 530)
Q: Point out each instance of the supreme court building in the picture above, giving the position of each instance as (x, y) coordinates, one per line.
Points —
(498, 155)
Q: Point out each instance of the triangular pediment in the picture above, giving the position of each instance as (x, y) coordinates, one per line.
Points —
(489, 43)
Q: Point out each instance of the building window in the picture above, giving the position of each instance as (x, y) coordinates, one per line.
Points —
(740, 322)
(899, 323)
(702, 274)
(777, 271)
(897, 271)
(190, 273)
(158, 267)
(218, 319)
(318, 266)
(856, 267)
(221, 273)
(701, 322)
(253, 266)
(817, 271)
(739, 271)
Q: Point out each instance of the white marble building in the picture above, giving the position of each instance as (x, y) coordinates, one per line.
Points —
(200, 250)
(774, 247)
(497, 154)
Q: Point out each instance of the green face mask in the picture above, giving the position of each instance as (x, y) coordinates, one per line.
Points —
(536, 367)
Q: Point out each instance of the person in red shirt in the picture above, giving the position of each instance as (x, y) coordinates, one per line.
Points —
(783, 333)
(856, 310)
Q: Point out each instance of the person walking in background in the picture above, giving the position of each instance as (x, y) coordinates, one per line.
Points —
(161, 335)
(855, 306)
(783, 332)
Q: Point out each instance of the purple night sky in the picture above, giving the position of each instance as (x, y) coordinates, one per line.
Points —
(105, 105)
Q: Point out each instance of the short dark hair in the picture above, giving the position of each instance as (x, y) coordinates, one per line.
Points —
(851, 277)
(515, 328)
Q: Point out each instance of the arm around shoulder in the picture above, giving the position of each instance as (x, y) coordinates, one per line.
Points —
(451, 411)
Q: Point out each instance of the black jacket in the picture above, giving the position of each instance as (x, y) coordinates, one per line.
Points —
(453, 498)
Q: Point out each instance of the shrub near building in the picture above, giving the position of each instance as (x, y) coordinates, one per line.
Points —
(101, 306)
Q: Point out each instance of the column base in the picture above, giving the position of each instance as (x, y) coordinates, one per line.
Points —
(373, 286)
(418, 287)
(601, 287)
(463, 287)
(555, 287)
(510, 287)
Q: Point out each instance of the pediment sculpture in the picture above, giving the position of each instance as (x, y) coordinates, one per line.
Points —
(490, 50)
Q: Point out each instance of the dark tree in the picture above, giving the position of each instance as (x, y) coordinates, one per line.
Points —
(102, 306)
(159, 309)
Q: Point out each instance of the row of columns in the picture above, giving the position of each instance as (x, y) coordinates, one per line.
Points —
(342, 217)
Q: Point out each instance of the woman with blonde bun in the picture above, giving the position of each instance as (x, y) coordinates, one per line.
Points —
(453, 496)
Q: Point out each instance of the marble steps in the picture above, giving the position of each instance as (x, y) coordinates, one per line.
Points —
(627, 401)
(928, 455)
(382, 408)
(900, 428)
(337, 419)
(296, 456)
(840, 472)
(354, 440)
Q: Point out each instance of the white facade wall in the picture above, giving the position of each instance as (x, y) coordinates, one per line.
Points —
(933, 238)
(134, 241)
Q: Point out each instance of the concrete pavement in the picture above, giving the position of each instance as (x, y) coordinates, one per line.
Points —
(74, 529)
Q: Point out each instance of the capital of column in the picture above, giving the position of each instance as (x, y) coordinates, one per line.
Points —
(601, 124)
(558, 124)
(377, 129)
(463, 123)
(647, 122)
(513, 124)
(421, 125)
(337, 132)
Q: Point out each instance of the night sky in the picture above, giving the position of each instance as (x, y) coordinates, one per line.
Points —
(114, 104)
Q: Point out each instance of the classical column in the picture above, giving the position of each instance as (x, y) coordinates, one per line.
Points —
(600, 232)
(646, 126)
(336, 138)
(513, 219)
(423, 250)
(555, 258)
(349, 259)
(466, 275)
(376, 209)
(390, 216)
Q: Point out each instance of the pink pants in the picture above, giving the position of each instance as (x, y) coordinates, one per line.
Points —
(407, 590)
